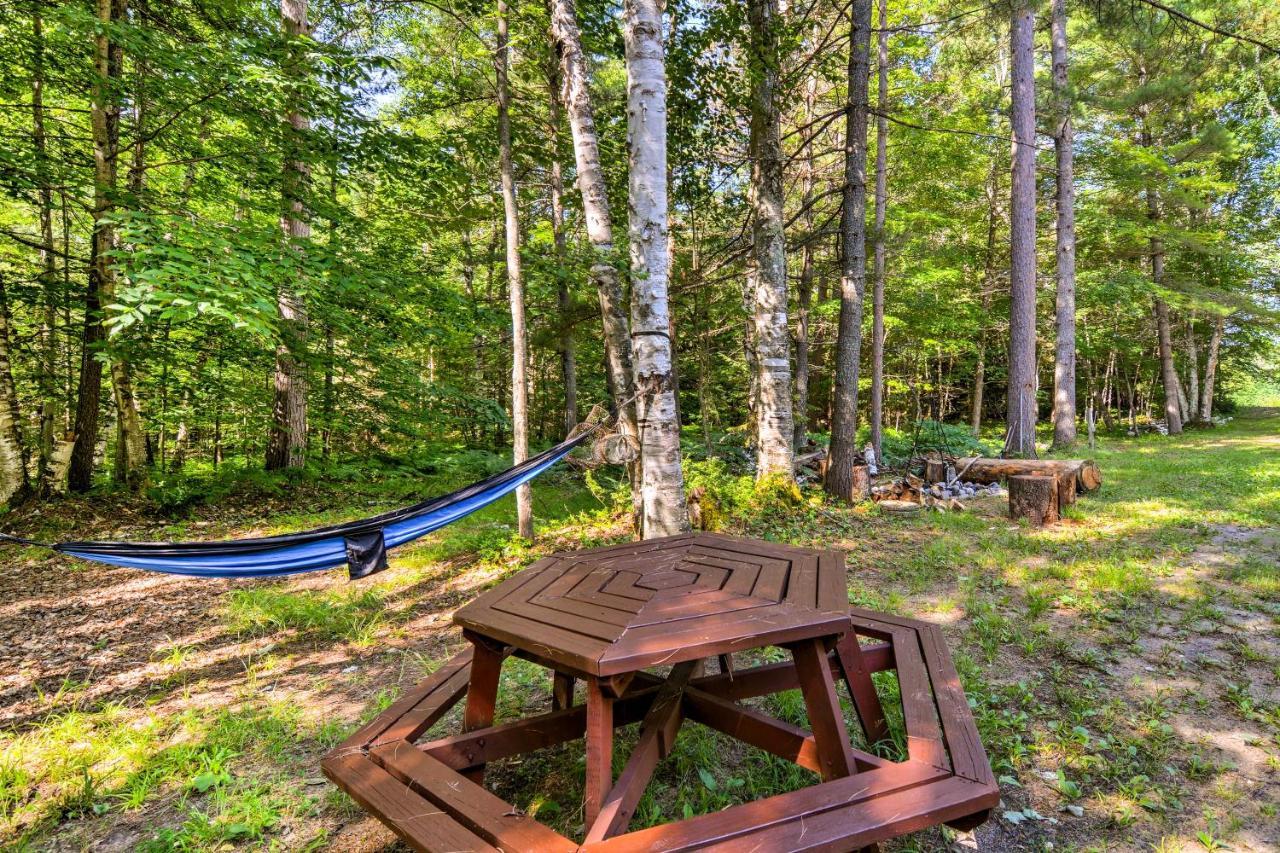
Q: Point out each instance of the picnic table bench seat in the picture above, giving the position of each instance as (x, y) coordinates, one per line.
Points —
(424, 790)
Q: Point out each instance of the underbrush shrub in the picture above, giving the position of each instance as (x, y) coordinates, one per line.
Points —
(722, 494)
(897, 445)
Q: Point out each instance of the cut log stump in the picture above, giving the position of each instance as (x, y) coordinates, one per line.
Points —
(1034, 497)
(860, 483)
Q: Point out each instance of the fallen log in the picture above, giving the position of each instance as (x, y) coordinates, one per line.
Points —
(1086, 473)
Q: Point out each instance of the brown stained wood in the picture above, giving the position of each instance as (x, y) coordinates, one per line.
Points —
(857, 677)
(423, 825)
(968, 758)
(657, 735)
(424, 692)
(599, 735)
(832, 583)
(850, 827)
(1034, 497)
(792, 808)
(774, 736)
(561, 690)
(753, 727)
(659, 645)
(676, 602)
(919, 714)
(531, 733)
(835, 756)
(482, 694)
(424, 714)
(663, 602)
(479, 811)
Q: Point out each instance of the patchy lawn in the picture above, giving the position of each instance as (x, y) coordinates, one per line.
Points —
(1124, 666)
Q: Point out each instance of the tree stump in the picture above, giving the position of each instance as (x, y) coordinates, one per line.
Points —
(1066, 492)
(859, 483)
(1034, 497)
(935, 471)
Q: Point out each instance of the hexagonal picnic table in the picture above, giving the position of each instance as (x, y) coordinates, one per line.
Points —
(608, 616)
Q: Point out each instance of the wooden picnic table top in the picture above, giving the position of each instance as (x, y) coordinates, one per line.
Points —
(618, 609)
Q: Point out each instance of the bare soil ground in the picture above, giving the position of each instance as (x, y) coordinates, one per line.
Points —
(1124, 668)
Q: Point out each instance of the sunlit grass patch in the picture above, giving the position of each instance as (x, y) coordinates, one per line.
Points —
(353, 615)
(86, 764)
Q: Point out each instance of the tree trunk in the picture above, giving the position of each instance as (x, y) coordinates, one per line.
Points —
(595, 208)
(1211, 370)
(515, 283)
(662, 484)
(1169, 374)
(13, 452)
(1193, 371)
(287, 445)
(47, 376)
(568, 352)
(774, 425)
(853, 228)
(800, 414)
(882, 198)
(1064, 368)
(1020, 439)
(105, 123)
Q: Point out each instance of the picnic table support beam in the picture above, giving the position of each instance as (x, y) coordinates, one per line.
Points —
(835, 755)
(857, 677)
(599, 748)
(657, 736)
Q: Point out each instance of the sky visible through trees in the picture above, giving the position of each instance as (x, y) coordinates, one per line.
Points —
(274, 235)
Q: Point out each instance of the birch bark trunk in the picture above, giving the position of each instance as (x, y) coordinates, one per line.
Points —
(882, 198)
(595, 208)
(287, 443)
(853, 228)
(1211, 370)
(1064, 368)
(1020, 439)
(515, 281)
(804, 294)
(775, 427)
(662, 483)
(568, 352)
(13, 452)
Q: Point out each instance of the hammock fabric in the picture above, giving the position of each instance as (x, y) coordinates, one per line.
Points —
(361, 545)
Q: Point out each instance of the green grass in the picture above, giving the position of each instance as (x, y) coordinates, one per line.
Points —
(1072, 643)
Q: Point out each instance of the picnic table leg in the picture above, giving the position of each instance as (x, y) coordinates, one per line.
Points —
(599, 749)
(835, 755)
(561, 690)
(482, 692)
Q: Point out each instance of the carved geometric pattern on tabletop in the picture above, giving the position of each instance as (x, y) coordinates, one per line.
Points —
(709, 593)
(614, 610)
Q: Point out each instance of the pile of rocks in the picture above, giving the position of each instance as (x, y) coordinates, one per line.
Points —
(965, 491)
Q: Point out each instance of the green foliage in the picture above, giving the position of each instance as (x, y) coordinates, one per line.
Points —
(351, 615)
(898, 445)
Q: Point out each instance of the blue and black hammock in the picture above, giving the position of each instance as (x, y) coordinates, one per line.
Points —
(360, 545)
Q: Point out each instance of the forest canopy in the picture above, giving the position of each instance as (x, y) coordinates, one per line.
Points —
(285, 234)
